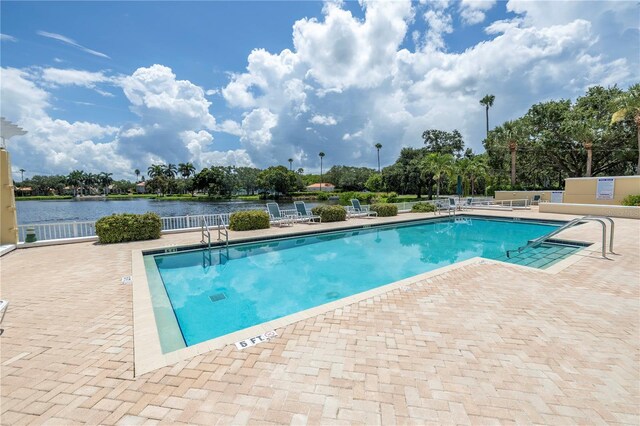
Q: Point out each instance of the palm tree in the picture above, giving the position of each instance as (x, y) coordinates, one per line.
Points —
(186, 169)
(22, 175)
(137, 172)
(155, 170)
(487, 101)
(105, 180)
(582, 131)
(321, 154)
(378, 146)
(439, 165)
(290, 160)
(512, 133)
(628, 106)
(170, 170)
(74, 180)
(477, 168)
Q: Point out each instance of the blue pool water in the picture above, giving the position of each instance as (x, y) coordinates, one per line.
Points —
(248, 284)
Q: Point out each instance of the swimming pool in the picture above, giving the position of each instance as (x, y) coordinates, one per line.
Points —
(213, 293)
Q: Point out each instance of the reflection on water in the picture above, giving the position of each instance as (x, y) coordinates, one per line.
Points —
(43, 211)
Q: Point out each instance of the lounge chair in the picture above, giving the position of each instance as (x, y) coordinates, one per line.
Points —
(536, 200)
(454, 204)
(276, 216)
(468, 203)
(304, 214)
(357, 210)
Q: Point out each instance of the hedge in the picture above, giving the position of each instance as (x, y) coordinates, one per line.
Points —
(423, 208)
(119, 228)
(330, 213)
(322, 196)
(385, 210)
(249, 220)
(631, 200)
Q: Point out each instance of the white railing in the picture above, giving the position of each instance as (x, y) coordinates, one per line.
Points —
(56, 231)
(64, 230)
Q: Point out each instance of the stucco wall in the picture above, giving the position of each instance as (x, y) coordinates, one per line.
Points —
(583, 190)
(521, 195)
(591, 209)
(8, 219)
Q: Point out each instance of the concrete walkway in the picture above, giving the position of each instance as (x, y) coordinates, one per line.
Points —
(485, 343)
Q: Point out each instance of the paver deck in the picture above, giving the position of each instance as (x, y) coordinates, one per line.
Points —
(484, 343)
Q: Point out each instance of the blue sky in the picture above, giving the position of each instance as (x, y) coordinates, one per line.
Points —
(114, 86)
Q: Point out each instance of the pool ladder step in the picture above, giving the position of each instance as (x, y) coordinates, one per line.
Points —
(600, 219)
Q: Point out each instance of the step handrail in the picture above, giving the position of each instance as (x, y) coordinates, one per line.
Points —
(222, 229)
(204, 232)
(538, 241)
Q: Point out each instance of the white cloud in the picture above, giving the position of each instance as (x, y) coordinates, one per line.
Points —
(256, 128)
(155, 93)
(354, 69)
(72, 42)
(439, 23)
(324, 120)
(473, 11)
(54, 145)
(66, 77)
(7, 37)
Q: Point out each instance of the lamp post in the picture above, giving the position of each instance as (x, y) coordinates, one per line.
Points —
(321, 157)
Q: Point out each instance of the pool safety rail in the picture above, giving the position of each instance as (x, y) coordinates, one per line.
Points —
(600, 219)
(221, 222)
(87, 229)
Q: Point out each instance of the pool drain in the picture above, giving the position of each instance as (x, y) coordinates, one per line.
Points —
(332, 295)
(217, 297)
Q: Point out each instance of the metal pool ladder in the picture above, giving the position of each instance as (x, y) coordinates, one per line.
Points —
(206, 232)
(538, 241)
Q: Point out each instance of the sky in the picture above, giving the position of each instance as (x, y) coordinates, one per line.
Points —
(118, 86)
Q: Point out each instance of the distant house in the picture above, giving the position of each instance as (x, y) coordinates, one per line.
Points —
(325, 187)
(141, 187)
(23, 190)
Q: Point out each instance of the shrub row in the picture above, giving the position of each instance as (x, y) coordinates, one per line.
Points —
(423, 208)
(385, 210)
(631, 200)
(249, 220)
(119, 228)
(330, 213)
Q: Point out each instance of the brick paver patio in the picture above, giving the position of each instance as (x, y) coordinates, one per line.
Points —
(486, 343)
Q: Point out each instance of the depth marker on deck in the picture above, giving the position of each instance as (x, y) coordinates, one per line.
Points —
(255, 340)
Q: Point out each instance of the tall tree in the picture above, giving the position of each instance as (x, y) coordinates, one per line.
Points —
(627, 106)
(22, 175)
(155, 170)
(75, 180)
(440, 165)
(443, 142)
(137, 173)
(378, 146)
(186, 169)
(105, 180)
(487, 101)
(170, 170)
(290, 160)
(321, 155)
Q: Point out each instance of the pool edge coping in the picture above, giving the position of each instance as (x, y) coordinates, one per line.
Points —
(148, 355)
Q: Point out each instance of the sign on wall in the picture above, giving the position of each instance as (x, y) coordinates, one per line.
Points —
(604, 189)
(556, 196)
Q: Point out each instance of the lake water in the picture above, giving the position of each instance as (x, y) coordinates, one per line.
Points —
(71, 210)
